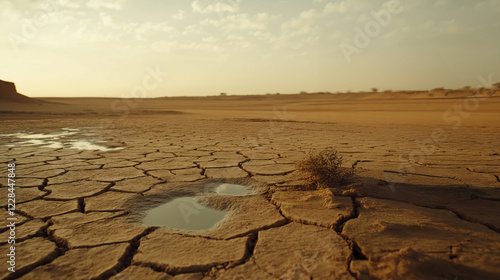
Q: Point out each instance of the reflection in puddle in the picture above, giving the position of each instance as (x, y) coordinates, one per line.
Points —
(87, 145)
(184, 213)
(57, 140)
(232, 189)
(65, 132)
(54, 146)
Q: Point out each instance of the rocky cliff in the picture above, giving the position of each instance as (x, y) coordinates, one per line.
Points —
(8, 93)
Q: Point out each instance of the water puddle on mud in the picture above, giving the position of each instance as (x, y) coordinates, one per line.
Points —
(184, 213)
(67, 138)
(88, 145)
(232, 189)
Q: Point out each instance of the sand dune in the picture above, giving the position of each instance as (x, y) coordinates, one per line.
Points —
(425, 108)
(422, 205)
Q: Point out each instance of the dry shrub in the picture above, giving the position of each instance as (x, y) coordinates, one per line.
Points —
(323, 169)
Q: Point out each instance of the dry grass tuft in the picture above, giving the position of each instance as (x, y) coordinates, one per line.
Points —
(323, 169)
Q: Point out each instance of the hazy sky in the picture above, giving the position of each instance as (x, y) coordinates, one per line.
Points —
(124, 48)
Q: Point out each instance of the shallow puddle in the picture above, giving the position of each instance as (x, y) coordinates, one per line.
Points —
(56, 135)
(184, 213)
(232, 189)
(57, 140)
(87, 145)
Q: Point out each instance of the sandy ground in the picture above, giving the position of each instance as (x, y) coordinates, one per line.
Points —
(424, 203)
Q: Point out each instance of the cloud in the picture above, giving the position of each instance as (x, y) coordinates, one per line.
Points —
(179, 15)
(239, 22)
(433, 29)
(70, 4)
(342, 7)
(107, 4)
(488, 5)
(448, 27)
(143, 29)
(227, 6)
(363, 18)
(441, 3)
(204, 46)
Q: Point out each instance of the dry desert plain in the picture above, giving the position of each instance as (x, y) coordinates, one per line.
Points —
(424, 202)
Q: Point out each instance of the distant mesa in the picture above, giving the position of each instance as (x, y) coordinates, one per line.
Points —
(8, 93)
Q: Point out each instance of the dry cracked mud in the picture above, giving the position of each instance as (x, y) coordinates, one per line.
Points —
(402, 217)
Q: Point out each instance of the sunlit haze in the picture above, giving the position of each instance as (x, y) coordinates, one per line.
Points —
(107, 48)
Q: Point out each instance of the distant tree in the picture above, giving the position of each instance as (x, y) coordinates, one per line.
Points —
(497, 85)
(466, 88)
(488, 91)
(374, 89)
(303, 92)
(223, 94)
(277, 93)
(438, 89)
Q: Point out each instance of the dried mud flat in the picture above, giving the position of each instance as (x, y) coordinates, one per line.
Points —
(431, 214)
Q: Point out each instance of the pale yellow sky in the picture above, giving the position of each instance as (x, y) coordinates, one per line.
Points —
(130, 48)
